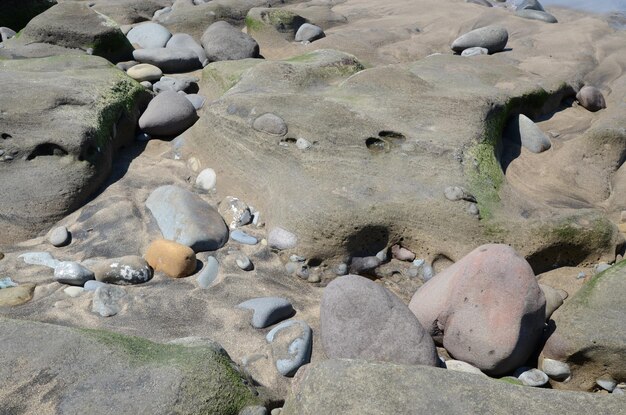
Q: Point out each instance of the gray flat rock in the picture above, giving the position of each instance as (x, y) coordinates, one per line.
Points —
(268, 310)
(169, 60)
(149, 35)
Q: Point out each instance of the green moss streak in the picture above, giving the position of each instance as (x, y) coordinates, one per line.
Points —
(253, 24)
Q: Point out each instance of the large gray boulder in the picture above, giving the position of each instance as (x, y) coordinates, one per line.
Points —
(77, 26)
(353, 387)
(63, 118)
(15, 14)
(363, 320)
(223, 42)
(168, 114)
(492, 38)
(109, 373)
(169, 60)
(591, 330)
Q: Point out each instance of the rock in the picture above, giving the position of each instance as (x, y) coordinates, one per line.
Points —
(553, 297)
(180, 85)
(291, 343)
(235, 212)
(601, 267)
(73, 162)
(207, 179)
(185, 218)
(607, 383)
(223, 42)
(72, 273)
(531, 377)
(270, 124)
(110, 366)
(171, 258)
(475, 51)
(521, 130)
(74, 291)
(6, 34)
(126, 65)
(536, 15)
(13, 296)
(7, 283)
(362, 320)
(59, 236)
(462, 308)
(93, 285)
(591, 98)
(364, 264)
(460, 366)
(169, 60)
(108, 301)
(281, 239)
(77, 26)
(598, 304)
(244, 263)
(125, 270)
(276, 411)
(144, 72)
(185, 41)
(17, 13)
(253, 410)
(309, 33)
(40, 258)
(559, 371)
(480, 2)
(492, 38)
(208, 275)
(303, 144)
(168, 114)
(268, 310)
(530, 5)
(356, 387)
(149, 35)
(402, 254)
(456, 193)
(243, 238)
(148, 86)
(197, 101)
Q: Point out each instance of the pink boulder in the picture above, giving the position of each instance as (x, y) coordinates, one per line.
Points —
(487, 309)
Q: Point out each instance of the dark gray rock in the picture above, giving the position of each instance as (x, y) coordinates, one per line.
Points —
(536, 15)
(169, 60)
(15, 14)
(591, 98)
(168, 114)
(492, 38)
(480, 2)
(149, 35)
(108, 300)
(364, 264)
(185, 218)
(363, 320)
(168, 83)
(309, 33)
(291, 343)
(72, 273)
(268, 310)
(223, 42)
(126, 270)
(271, 124)
(530, 5)
(185, 41)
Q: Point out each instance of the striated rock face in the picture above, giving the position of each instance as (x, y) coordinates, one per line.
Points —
(487, 309)
(63, 118)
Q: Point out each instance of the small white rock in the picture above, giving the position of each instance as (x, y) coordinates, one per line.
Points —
(74, 291)
(531, 377)
(207, 179)
(607, 383)
(556, 370)
(303, 144)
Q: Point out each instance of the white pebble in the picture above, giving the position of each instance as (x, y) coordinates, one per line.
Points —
(74, 291)
(207, 179)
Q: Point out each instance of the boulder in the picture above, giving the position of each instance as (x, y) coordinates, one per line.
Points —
(487, 309)
(62, 125)
(185, 41)
(351, 387)
(169, 60)
(113, 373)
(168, 114)
(77, 26)
(15, 14)
(591, 330)
(185, 218)
(309, 33)
(363, 320)
(223, 42)
(149, 36)
(171, 258)
(536, 15)
(591, 98)
(144, 72)
(492, 38)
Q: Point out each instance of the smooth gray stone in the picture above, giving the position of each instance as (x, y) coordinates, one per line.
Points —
(244, 262)
(492, 38)
(279, 238)
(169, 60)
(185, 218)
(59, 236)
(107, 300)
(243, 238)
(531, 377)
(223, 42)
(168, 114)
(72, 273)
(362, 264)
(555, 369)
(607, 383)
(185, 41)
(271, 124)
(6, 33)
(40, 258)
(591, 98)
(149, 35)
(253, 410)
(480, 2)
(531, 136)
(126, 270)
(475, 51)
(208, 275)
(147, 85)
(530, 5)
(268, 310)
(167, 83)
(197, 101)
(93, 285)
(309, 33)
(289, 356)
(126, 65)
(536, 15)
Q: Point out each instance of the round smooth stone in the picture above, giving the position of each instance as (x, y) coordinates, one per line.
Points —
(207, 179)
(59, 236)
(243, 238)
(244, 262)
(145, 72)
(74, 291)
(531, 377)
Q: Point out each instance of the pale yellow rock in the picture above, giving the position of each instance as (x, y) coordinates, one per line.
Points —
(144, 72)
(16, 295)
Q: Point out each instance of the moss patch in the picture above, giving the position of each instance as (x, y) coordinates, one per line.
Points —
(253, 24)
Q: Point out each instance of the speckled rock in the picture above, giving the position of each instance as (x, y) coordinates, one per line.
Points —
(72, 273)
(125, 270)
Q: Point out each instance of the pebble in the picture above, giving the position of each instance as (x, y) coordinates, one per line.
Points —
(492, 38)
(7, 283)
(309, 33)
(207, 179)
(145, 72)
(362, 264)
(475, 51)
(72, 273)
(149, 35)
(303, 144)
(235, 212)
(244, 262)
(591, 98)
(169, 60)
(168, 114)
(93, 285)
(291, 354)
(276, 411)
(342, 269)
(40, 258)
(13, 296)
(168, 83)
(460, 366)
(607, 383)
(531, 377)
(383, 255)
(456, 193)
(271, 124)
(196, 100)
(125, 270)
(59, 236)
(268, 310)
(74, 291)
(303, 272)
(148, 86)
(556, 370)
(580, 275)
(243, 238)
(402, 254)
(208, 275)
(107, 300)
(281, 239)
